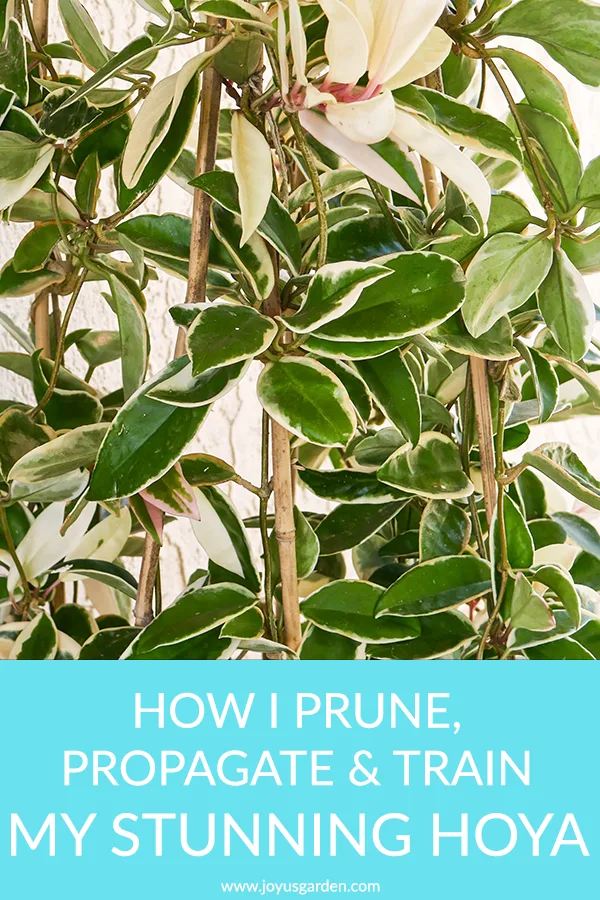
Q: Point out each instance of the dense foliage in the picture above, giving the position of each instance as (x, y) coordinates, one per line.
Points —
(353, 235)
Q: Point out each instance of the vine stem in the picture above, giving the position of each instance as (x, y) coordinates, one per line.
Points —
(485, 432)
(309, 159)
(15, 557)
(60, 345)
(208, 133)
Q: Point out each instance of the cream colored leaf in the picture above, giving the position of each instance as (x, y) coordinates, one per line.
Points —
(212, 535)
(298, 41)
(434, 146)
(346, 44)
(366, 121)
(22, 164)
(284, 70)
(156, 116)
(105, 540)
(362, 157)
(253, 170)
(401, 26)
(429, 56)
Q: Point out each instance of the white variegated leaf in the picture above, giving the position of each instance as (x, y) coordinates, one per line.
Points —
(253, 170)
(105, 540)
(22, 164)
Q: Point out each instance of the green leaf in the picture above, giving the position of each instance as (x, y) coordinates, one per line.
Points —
(348, 608)
(557, 156)
(319, 644)
(502, 277)
(440, 635)
(585, 379)
(477, 130)
(566, 648)
(559, 463)
(39, 640)
(546, 532)
(221, 533)
(253, 258)
(66, 408)
(64, 122)
(177, 386)
(544, 379)
(225, 333)
(561, 583)
(354, 384)
(277, 228)
(70, 451)
(13, 61)
(307, 548)
(200, 469)
(523, 638)
(589, 637)
(542, 89)
(436, 585)
(350, 350)
(423, 290)
(23, 284)
(21, 364)
(567, 307)
(125, 58)
(496, 343)
(129, 305)
(581, 532)
(347, 486)
(109, 643)
(445, 530)
(145, 439)
(99, 347)
(36, 206)
(359, 238)
(19, 435)
(392, 385)
(519, 543)
(34, 250)
(83, 34)
(332, 184)
(87, 184)
(432, 469)
(332, 292)
(373, 451)
(308, 400)
(233, 9)
(349, 525)
(568, 29)
(22, 164)
(167, 153)
(529, 610)
(75, 621)
(111, 574)
(507, 214)
(533, 495)
(194, 613)
(246, 626)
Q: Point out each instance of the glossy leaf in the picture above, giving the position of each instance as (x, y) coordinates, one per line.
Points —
(307, 399)
(440, 636)
(348, 608)
(544, 379)
(560, 582)
(253, 257)
(567, 307)
(504, 274)
(519, 543)
(529, 610)
(496, 343)
(436, 585)
(200, 469)
(392, 385)
(70, 451)
(347, 486)
(559, 463)
(444, 531)
(579, 530)
(145, 439)
(39, 640)
(307, 548)
(176, 386)
(319, 644)
(431, 469)
(222, 535)
(109, 643)
(349, 525)
(423, 290)
(193, 614)
(225, 333)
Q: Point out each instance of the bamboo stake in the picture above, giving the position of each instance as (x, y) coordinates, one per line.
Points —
(208, 133)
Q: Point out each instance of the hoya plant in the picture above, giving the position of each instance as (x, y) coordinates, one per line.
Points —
(355, 238)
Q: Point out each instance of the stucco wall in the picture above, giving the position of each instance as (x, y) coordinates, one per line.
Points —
(232, 429)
